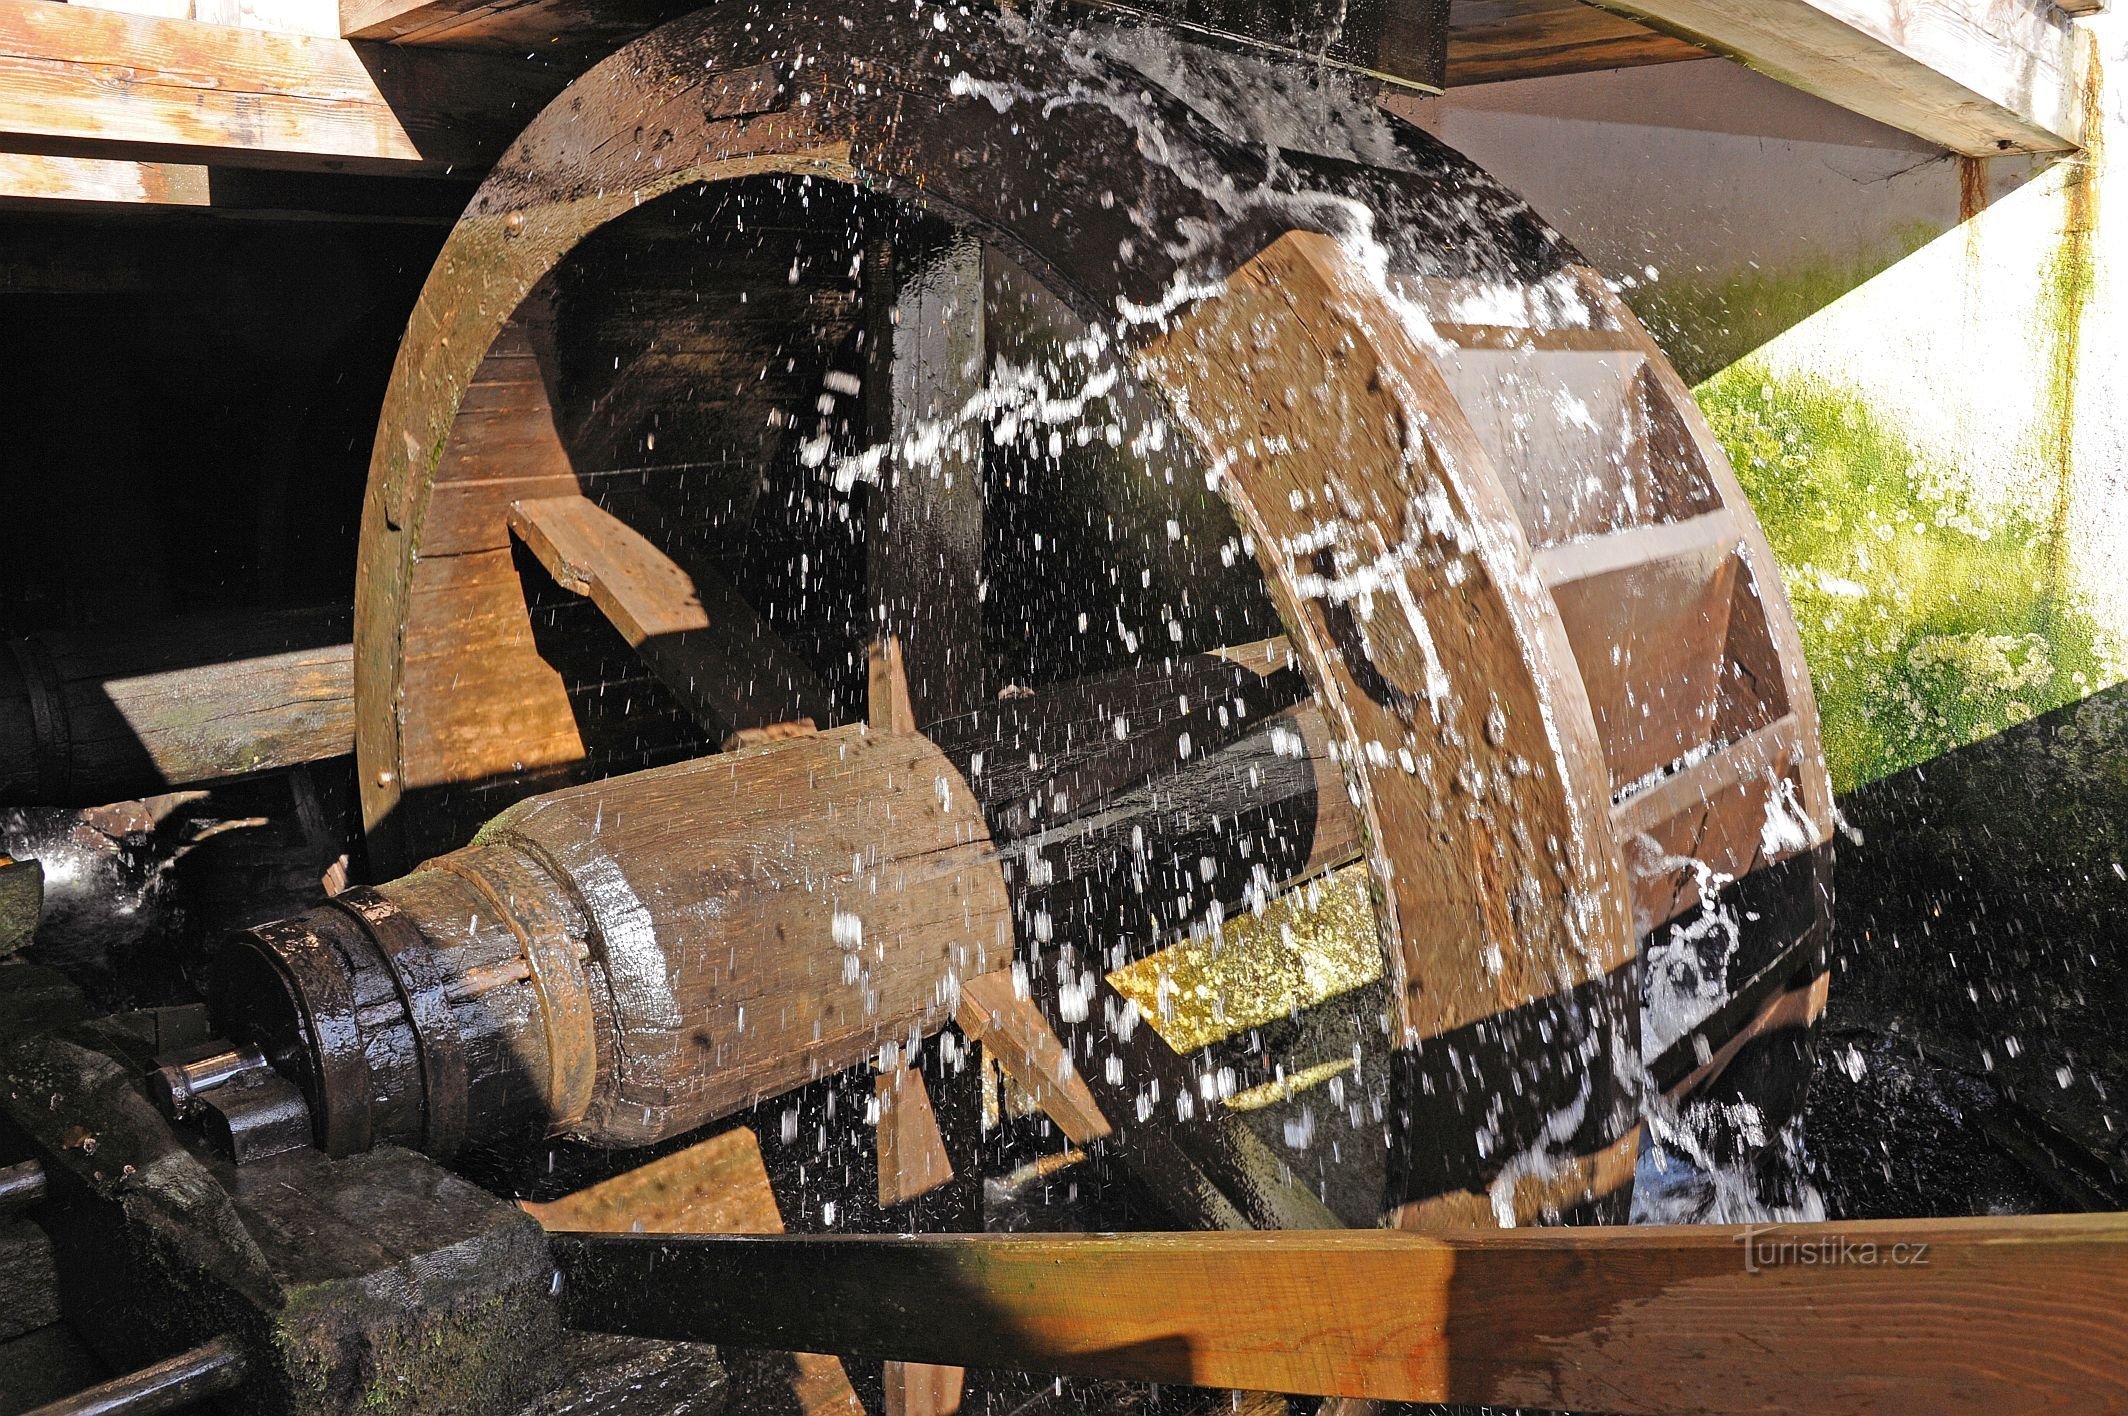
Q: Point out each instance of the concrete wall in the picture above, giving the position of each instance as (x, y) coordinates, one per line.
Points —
(1915, 359)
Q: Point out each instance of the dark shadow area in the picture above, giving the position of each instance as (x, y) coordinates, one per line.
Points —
(189, 418)
(1972, 1059)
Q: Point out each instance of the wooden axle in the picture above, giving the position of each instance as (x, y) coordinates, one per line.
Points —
(1958, 1315)
(629, 959)
(86, 721)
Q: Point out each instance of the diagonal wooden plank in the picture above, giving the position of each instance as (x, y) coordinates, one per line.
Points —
(1944, 1316)
(1014, 1031)
(83, 82)
(696, 632)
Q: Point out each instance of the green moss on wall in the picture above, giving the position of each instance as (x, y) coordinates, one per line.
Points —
(2071, 280)
(1928, 622)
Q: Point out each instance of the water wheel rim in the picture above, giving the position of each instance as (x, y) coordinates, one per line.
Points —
(797, 95)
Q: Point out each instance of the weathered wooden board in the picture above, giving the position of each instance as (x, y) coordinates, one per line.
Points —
(83, 722)
(1012, 1029)
(34, 179)
(77, 81)
(1982, 1315)
(696, 632)
(1979, 77)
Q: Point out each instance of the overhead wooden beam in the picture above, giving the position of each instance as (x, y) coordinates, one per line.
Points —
(1979, 77)
(1962, 1315)
(1492, 40)
(32, 179)
(83, 82)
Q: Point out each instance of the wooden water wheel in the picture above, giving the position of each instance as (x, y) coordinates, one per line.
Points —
(930, 533)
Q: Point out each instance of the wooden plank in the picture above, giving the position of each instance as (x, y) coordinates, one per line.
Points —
(590, 26)
(1595, 556)
(86, 721)
(1014, 1032)
(1979, 77)
(1648, 637)
(315, 17)
(717, 1186)
(1959, 1315)
(887, 706)
(912, 1154)
(923, 1388)
(77, 81)
(403, 19)
(1493, 40)
(34, 179)
(694, 630)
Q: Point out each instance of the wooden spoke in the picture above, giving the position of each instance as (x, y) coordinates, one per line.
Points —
(1014, 1031)
(686, 620)
(1061, 753)
(912, 1154)
(924, 537)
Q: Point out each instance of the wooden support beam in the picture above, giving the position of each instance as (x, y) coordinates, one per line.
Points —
(1958, 1315)
(1979, 77)
(33, 179)
(85, 721)
(83, 82)
(1493, 40)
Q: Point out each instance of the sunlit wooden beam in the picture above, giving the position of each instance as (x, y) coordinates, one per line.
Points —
(1979, 77)
(83, 82)
(1962, 1315)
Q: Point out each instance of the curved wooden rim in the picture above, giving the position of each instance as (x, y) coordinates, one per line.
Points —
(600, 151)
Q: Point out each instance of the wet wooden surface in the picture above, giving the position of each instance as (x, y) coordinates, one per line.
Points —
(689, 624)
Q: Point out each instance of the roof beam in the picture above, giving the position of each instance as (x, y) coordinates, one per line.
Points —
(32, 179)
(1494, 40)
(83, 82)
(1979, 77)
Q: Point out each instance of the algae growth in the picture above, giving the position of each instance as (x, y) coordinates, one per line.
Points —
(1928, 620)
